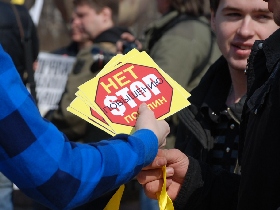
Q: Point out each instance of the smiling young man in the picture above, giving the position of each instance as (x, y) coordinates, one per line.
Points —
(218, 100)
(237, 24)
(213, 134)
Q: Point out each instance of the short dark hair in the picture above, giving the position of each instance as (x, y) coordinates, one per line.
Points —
(98, 5)
(190, 7)
(214, 4)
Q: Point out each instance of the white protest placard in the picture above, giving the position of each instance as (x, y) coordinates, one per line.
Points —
(51, 78)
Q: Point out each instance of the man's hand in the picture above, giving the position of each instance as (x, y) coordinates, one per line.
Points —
(127, 38)
(176, 168)
(147, 120)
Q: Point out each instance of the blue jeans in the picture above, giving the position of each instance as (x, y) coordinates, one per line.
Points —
(6, 189)
(147, 203)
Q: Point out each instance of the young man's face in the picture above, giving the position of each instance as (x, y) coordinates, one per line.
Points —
(77, 32)
(93, 23)
(237, 25)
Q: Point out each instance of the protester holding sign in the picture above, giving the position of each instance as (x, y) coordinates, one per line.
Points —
(61, 174)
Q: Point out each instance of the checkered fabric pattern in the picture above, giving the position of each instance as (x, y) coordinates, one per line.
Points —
(41, 161)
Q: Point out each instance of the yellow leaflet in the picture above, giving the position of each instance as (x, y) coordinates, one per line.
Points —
(17, 2)
(83, 107)
(144, 59)
(86, 89)
(164, 201)
(177, 99)
(79, 108)
(114, 202)
(84, 117)
(94, 114)
(89, 89)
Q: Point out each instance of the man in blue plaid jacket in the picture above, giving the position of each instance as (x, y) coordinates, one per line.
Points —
(60, 174)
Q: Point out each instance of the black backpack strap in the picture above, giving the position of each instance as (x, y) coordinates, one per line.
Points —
(28, 53)
(204, 63)
(158, 33)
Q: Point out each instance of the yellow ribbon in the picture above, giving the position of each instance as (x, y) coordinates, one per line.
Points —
(164, 201)
(20, 2)
(114, 203)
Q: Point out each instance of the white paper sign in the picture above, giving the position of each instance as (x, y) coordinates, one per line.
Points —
(51, 77)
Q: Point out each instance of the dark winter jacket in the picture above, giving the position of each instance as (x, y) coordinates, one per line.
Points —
(205, 185)
(260, 133)
(212, 133)
(10, 37)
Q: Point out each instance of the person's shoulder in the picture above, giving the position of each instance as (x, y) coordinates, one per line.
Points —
(191, 27)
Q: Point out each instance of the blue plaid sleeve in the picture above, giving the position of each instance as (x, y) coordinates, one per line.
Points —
(41, 161)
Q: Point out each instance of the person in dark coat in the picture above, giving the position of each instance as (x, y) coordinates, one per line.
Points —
(16, 24)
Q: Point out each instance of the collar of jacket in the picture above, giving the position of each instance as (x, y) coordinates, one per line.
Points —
(262, 60)
(213, 89)
(271, 49)
(111, 35)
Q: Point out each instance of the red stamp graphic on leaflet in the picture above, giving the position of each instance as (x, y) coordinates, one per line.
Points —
(120, 92)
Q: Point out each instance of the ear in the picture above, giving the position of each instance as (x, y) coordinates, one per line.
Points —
(213, 21)
(107, 13)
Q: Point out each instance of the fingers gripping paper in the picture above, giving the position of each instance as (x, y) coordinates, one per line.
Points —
(110, 100)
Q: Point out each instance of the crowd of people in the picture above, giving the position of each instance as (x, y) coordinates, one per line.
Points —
(223, 150)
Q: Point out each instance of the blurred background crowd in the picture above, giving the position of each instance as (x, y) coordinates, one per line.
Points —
(55, 17)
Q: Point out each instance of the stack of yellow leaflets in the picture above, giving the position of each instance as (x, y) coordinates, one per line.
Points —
(111, 100)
